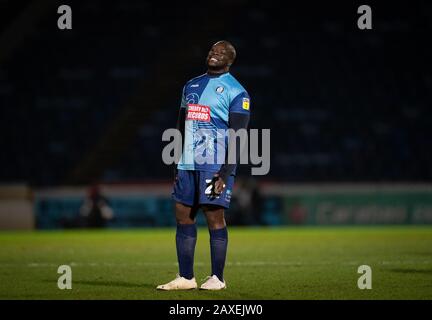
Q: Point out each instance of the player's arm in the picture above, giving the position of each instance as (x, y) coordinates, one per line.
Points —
(181, 118)
(181, 121)
(238, 119)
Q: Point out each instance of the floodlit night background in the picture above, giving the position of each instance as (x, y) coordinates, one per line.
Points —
(82, 112)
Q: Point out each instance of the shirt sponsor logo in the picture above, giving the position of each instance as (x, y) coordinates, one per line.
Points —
(245, 104)
(198, 112)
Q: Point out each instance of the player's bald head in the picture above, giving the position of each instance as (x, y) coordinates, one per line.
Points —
(220, 57)
(229, 48)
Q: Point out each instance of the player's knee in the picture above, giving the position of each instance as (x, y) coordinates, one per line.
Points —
(215, 218)
(213, 225)
(185, 220)
(184, 214)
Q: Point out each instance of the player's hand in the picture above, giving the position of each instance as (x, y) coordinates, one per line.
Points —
(215, 187)
(219, 185)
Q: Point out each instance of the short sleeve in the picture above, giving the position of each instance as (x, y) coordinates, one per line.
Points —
(241, 103)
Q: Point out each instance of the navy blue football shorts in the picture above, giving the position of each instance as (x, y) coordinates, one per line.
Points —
(192, 187)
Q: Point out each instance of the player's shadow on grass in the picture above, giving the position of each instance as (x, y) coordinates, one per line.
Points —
(411, 271)
(116, 284)
(111, 283)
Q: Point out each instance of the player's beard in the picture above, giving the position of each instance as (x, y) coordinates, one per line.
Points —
(216, 69)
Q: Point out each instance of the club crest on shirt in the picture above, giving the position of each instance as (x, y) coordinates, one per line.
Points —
(245, 104)
(220, 89)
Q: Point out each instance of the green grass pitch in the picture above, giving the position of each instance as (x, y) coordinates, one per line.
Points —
(262, 263)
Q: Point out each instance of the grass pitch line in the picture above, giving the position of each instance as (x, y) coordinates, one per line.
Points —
(200, 264)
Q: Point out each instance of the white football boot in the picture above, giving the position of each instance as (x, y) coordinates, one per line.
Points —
(179, 283)
(213, 283)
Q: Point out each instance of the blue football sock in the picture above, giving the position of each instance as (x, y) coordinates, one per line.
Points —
(186, 237)
(218, 248)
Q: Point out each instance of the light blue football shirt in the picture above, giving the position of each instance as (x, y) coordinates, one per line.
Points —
(208, 101)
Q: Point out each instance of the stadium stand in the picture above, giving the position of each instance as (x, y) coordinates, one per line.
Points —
(91, 103)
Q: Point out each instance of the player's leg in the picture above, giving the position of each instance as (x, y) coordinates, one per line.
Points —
(184, 195)
(218, 243)
(186, 237)
(214, 210)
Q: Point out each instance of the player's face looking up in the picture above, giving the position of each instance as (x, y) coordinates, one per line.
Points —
(220, 57)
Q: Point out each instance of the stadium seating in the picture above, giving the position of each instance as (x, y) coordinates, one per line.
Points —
(342, 104)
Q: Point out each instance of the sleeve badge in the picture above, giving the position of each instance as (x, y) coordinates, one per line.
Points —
(245, 104)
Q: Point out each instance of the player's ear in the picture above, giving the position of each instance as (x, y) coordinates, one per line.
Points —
(231, 60)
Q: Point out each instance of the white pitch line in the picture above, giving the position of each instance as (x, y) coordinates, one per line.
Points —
(200, 263)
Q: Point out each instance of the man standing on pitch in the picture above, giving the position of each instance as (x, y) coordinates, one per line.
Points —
(210, 102)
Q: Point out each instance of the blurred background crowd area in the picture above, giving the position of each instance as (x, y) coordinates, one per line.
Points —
(91, 103)
(88, 106)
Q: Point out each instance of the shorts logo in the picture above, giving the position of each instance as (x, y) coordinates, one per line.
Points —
(198, 112)
(245, 104)
(228, 194)
(220, 89)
